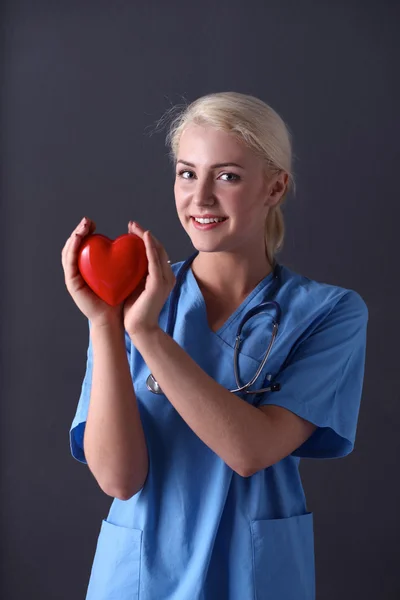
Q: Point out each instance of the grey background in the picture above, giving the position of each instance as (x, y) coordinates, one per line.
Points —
(80, 84)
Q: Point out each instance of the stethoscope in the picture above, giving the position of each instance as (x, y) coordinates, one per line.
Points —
(264, 307)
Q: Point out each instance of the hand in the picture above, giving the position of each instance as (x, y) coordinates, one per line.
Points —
(142, 309)
(95, 309)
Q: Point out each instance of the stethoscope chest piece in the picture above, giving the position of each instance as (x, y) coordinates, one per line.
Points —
(152, 385)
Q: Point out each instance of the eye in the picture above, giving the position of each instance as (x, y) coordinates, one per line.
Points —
(184, 172)
(232, 177)
(187, 174)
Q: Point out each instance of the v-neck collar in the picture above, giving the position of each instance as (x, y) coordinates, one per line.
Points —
(192, 281)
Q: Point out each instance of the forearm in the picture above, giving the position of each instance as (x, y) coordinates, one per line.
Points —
(114, 441)
(231, 427)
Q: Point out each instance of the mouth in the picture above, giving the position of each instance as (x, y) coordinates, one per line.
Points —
(208, 223)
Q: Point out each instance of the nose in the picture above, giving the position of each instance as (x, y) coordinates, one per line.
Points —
(203, 194)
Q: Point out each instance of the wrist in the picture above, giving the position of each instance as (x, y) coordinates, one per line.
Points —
(110, 322)
(144, 335)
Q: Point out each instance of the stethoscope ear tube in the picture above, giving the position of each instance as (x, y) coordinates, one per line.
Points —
(151, 383)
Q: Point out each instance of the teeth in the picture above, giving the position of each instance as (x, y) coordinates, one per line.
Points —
(204, 221)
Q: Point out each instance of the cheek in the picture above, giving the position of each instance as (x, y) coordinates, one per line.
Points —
(180, 193)
(248, 211)
(181, 206)
(239, 203)
(178, 197)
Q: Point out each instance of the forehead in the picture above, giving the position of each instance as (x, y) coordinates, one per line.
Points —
(201, 144)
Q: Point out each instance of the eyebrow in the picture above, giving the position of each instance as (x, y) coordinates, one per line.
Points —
(215, 166)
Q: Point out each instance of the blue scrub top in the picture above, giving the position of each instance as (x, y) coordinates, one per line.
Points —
(198, 530)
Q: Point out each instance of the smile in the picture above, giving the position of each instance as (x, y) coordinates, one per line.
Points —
(207, 223)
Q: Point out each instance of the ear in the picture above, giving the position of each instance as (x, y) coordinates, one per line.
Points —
(277, 188)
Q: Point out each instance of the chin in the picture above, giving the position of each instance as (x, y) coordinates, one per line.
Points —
(203, 246)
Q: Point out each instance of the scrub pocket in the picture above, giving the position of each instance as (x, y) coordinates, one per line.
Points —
(283, 558)
(116, 565)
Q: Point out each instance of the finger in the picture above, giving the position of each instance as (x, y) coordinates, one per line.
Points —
(65, 251)
(86, 227)
(161, 250)
(163, 262)
(163, 254)
(134, 227)
(82, 225)
(154, 266)
(68, 242)
(67, 245)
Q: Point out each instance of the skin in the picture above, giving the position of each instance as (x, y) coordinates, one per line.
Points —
(231, 261)
(232, 257)
(135, 308)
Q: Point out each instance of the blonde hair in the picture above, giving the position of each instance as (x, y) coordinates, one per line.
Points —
(257, 125)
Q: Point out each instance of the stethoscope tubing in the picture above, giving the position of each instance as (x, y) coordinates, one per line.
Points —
(151, 382)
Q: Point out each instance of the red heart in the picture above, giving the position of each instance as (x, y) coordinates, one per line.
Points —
(113, 269)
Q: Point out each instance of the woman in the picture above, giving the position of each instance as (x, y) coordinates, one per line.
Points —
(209, 503)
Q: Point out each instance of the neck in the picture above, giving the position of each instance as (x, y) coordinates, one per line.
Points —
(229, 276)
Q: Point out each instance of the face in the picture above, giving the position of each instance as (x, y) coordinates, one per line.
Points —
(218, 176)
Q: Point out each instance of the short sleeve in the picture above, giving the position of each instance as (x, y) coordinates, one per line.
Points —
(77, 429)
(322, 379)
